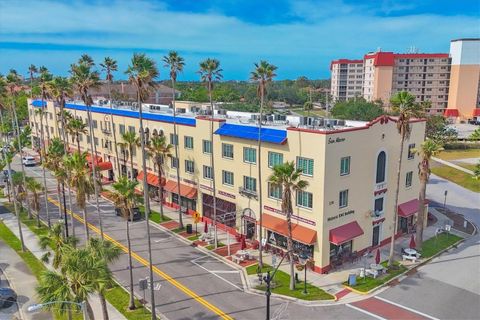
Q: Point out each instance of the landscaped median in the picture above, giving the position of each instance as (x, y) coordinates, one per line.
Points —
(430, 248)
(280, 285)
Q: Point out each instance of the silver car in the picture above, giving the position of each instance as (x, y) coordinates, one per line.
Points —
(29, 161)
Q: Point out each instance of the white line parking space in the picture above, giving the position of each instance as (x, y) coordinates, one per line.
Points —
(215, 272)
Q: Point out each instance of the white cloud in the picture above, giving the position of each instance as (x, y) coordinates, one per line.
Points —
(330, 30)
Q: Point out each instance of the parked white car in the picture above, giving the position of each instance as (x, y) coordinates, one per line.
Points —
(29, 161)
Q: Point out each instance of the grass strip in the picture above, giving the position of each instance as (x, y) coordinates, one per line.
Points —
(120, 299)
(212, 246)
(281, 285)
(439, 243)
(459, 177)
(368, 283)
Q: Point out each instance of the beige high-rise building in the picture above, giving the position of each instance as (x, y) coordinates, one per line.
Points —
(464, 97)
(347, 79)
(424, 75)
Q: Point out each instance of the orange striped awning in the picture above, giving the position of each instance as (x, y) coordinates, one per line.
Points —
(96, 161)
(299, 233)
(151, 179)
(185, 191)
(102, 166)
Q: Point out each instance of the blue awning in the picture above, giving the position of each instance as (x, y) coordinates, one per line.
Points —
(127, 113)
(251, 133)
(38, 103)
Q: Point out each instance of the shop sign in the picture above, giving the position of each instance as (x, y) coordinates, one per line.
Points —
(189, 181)
(226, 194)
(332, 140)
(343, 214)
(202, 186)
(307, 221)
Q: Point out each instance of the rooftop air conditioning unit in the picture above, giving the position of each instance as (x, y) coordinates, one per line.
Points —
(270, 118)
(341, 123)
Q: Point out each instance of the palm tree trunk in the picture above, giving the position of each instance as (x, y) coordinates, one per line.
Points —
(287, 206)
(91, 315)
(212, 164)
(259, 166)
(180, 218)
(103, 302)
(60, 207)
(21, 155)
(43, 153)
(131, 161)
(421, 208)
(69, 314)
(117, 159)
(131, 304)
(66, 147)
(85, 223)
(395, 209)
(93, 148)
(160, 189)
(147, 205)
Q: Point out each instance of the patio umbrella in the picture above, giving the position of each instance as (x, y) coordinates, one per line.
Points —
(205, 228)
(377, 257)
(243, 243)
(412, 243)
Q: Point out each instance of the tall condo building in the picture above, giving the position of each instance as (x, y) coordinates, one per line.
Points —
(382, 74)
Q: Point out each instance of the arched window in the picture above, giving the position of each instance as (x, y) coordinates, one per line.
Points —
(381, 167)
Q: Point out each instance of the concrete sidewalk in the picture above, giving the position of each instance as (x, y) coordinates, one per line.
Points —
(31, 242)
(453, 165)
(22, 281)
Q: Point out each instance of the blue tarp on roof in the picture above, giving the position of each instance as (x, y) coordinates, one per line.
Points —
(38, 103)
(251, 133)
(127, 113)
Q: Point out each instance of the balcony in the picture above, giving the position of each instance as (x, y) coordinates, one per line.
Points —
(247, 193)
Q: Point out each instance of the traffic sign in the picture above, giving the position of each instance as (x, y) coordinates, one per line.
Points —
(196, 217)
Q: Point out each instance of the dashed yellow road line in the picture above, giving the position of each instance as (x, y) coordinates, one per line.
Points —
(159, 272)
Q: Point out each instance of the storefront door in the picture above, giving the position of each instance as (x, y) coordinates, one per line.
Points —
(403, 224)
(376, 236)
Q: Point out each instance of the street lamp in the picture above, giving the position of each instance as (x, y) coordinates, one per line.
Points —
(268, 279)
(38, 306)
(303, 259)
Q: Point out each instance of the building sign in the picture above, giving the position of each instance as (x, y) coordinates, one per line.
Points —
(336, 140)
(174, 177)
(226, 194)
(343, 214)
(310, 222)
(202, 186)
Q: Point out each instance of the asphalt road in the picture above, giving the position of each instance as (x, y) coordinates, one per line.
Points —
(193, 285)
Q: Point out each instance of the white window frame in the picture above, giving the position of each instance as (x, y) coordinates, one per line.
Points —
(224, 180)
(300, 195)
(345, 204)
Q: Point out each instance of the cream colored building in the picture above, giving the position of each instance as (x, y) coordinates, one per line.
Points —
(347, 79)
(350, 167)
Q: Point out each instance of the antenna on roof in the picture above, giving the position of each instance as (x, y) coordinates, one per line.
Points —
(379, 49)
(412, 49)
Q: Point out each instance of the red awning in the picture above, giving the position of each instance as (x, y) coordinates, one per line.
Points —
(408, 208)
(102, 166)
(345, 233)
(96, 161)
(476, 112)
(450, 113)
(185, 191)
(299, 233)
(151, 179)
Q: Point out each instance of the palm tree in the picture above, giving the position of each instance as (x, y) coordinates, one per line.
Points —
(13, 80)
(85, 79)
(476, 171)
(60, 245)
(80, 275)
(76, 127)
(428, 149)
(403, 104)
(109, 65)
(142, 72)
(287, 178)
(159, 149)
(210, 71)
(60, 89)
(125, 199)
(263, 73)
(81, 179)
(35, 188)
(109, 253)
(44, 78)
(129, 142)
(175, 63)
(32, 70)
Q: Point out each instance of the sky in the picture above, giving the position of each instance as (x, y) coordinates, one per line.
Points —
(300, 37)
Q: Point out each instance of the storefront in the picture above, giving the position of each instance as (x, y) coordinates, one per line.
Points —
(226, 210)
(188, 195)
(341, 240)
(277, 232)
(249, 223)
(407, 219)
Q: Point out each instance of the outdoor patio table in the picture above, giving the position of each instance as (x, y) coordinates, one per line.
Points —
(377, 267)
(410, 252)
